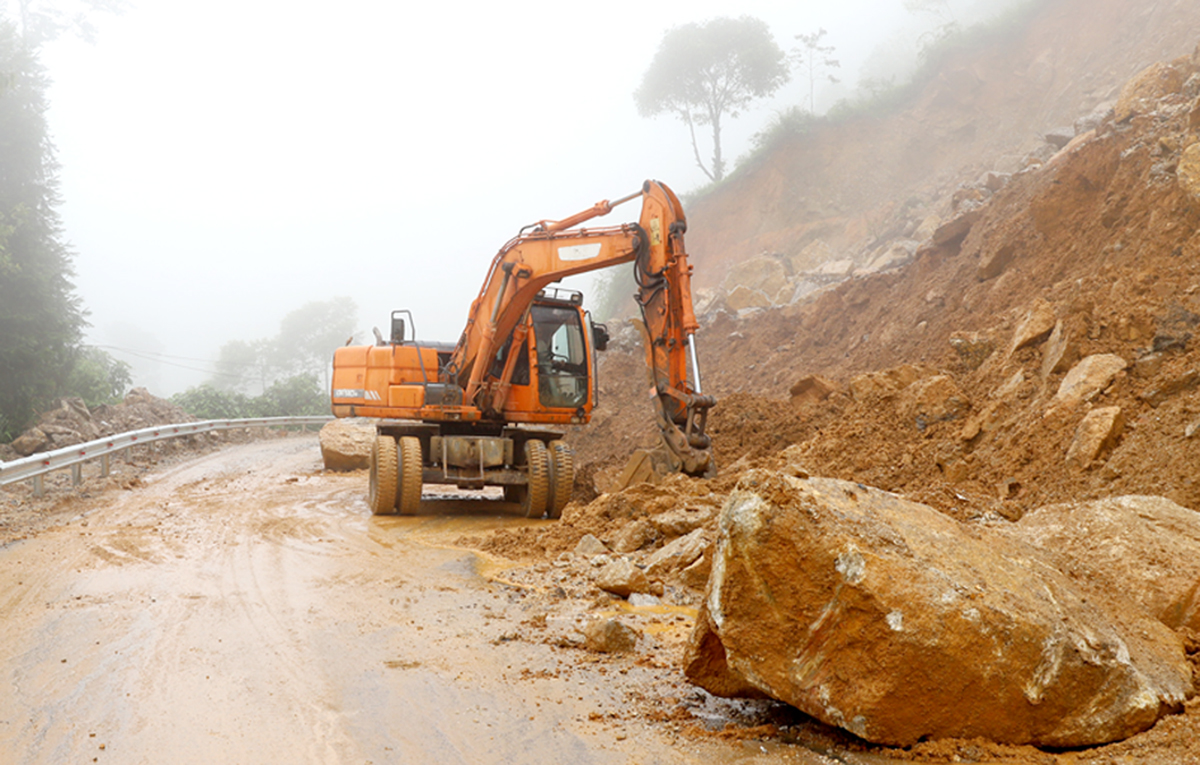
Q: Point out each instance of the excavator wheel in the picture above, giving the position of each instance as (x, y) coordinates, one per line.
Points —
(381, 492)
(409, 494)
(533, 503)
(562, 460)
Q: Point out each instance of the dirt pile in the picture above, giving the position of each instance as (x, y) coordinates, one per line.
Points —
(966, 379)
(22, 513)
(71, 422)
(1045, 353)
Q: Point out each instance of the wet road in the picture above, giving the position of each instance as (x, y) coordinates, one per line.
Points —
(244, 607)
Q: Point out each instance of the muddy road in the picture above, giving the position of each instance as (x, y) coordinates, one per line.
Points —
(244, 607)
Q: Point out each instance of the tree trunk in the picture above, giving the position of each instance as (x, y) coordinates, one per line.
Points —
(718, 164)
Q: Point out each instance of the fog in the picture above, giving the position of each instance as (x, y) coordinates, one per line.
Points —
(224, 163)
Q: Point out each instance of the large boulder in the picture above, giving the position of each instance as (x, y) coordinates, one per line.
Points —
(811, 257)
(812, 389)
(68, 424)
(932, 399)
(898, 623)
(1145, 547)
(1058, 354)
(973, 348)
(887, 381)
(346, 444)
(677, 554)
(610, 636)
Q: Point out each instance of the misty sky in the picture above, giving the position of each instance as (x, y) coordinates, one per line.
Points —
(223, 163)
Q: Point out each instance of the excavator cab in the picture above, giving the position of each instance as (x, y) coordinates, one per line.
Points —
(562, 354)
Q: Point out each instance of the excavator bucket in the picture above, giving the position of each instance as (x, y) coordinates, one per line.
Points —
(647, 466)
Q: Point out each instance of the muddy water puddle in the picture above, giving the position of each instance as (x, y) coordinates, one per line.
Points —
(245, 607)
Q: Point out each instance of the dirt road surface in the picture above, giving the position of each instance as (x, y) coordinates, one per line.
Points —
(245, 607)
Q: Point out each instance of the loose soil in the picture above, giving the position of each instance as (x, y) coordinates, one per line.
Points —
(262, 550)
(244, 606)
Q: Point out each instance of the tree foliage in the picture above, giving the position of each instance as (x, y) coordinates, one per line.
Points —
(305, 344)
(814, 61)
(242, 365)
(41, 318)
(309, 335)
(41, 21)
(945, 23)
(98, 378)
(295, 396)
(704, 72)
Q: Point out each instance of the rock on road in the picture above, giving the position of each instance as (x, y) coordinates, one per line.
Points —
(245, 607)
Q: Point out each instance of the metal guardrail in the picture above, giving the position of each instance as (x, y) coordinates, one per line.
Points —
(37, 465)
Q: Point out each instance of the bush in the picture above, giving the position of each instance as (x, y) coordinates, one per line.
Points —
(98, 378)
(208, 403)
(296, 396)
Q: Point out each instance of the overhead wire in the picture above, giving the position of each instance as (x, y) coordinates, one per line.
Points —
(161, 359)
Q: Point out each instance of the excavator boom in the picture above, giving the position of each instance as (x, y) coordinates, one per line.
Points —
(552, 250)
(475, 413)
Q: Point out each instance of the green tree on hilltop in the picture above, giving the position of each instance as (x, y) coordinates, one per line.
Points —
(703, 72)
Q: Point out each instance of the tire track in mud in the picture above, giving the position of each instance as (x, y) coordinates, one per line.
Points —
(246, 607)
(192, 619)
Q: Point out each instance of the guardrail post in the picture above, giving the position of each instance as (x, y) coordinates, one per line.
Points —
(39, 486)
(77, 474)
(104, 465)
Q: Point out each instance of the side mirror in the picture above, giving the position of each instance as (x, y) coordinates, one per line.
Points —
(600, 337)
(397, 330)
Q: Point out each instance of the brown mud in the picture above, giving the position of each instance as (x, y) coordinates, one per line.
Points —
(244, 606)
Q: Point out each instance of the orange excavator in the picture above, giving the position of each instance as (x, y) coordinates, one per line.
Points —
(490, 410)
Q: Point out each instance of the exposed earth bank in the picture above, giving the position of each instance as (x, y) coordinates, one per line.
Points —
(1039, 350)
(1035, 347)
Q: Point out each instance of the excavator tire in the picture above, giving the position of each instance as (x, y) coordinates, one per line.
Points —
(409, 494)
(562, 460)
(533, 503)
(381, 492)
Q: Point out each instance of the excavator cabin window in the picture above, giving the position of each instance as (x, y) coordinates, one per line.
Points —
(562, 367)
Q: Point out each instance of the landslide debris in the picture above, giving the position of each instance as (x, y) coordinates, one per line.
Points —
(890, 620)
(1045, 354)
(72, 422)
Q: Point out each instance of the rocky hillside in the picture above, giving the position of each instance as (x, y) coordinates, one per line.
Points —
(1036, 346)
(853, 187)
(1091, 255)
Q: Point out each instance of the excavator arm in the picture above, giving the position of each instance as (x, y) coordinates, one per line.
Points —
(547, 251)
